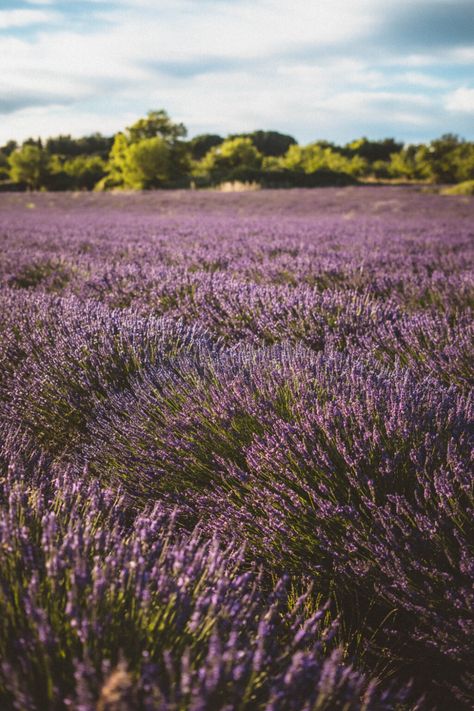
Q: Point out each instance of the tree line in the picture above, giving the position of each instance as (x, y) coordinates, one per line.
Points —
(155, 153)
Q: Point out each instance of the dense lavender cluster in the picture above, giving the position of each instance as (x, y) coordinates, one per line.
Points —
(236, 451)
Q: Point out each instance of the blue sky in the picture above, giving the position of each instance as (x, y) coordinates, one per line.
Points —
(334, 69)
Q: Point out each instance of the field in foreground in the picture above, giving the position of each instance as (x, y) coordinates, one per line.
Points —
(236, 451)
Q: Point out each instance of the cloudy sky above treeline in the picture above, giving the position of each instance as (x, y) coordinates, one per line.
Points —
(334, 69)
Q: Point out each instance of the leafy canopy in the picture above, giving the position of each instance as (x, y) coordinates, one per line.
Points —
(28, 165)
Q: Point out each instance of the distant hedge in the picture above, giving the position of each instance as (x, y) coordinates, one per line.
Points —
(282, 178)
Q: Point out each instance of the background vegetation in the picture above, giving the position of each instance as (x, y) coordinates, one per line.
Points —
(154, 153)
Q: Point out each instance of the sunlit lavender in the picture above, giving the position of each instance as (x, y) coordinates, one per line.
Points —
(236, 451)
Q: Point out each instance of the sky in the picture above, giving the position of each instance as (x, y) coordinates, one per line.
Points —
(317, 69)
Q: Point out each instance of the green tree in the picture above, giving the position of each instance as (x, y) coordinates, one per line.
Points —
(272, 143)
(94, 145)
(9, 147)
(373, 151)
(117, 161)
(450, 159)
(465, 162)
(140, 165)
(233, 154)
(85, 171)
(380, 169)
(411, 163)
(156, 123)
(57, 178)
(269, 143)
(148, 163)
(150, 153)
(4, 166)
(319, 156)
(33, 142)
(200, 145)
(29, 165)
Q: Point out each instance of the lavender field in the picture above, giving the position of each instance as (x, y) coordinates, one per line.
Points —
(236, 451)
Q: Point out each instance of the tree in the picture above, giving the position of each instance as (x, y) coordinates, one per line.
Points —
(443, 158)
(9, 147)
(85, 171)
(373, 151)
(57, 178)
(148, 163)
(411, 163)
(380, 169)
(117, 161)
(465, 162)
(66, 146)
(318, 156)
(156, 123)
(4, 166)
(33, 142)
(232, 154)
(150, 153)
(200, 145)
(140, 165)
(269, 143)
(29, 165)
(96, 144)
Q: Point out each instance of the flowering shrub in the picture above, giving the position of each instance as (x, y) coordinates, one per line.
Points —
(141, 615)
(236, 452)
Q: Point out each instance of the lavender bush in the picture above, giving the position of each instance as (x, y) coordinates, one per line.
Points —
(236, 451)
(100, 614)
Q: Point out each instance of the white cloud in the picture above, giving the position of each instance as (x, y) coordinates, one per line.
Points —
(55, 119)
(461, 100)
(463, 55)
(22, 18)
(182, 29)
(217, 66)
(423, 80)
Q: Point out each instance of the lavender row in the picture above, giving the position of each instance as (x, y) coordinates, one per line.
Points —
(100, 614)
(330, 464)
(156, 261)
(236, 452)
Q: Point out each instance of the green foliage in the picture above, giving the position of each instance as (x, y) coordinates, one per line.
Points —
(277, 178)
(272, 143)
(465, 188)
(233, 154)
(79, 173)
(373, 151)
(450, 159)
(148, 154)
(316, 157)
(29, 165)
(4, 166)
(156, 123)
(57, 178)
(52, 275)
(9, 147)
(68, 147)
(86, 171)
(148, 163)
(152, 153)
(33, 142)
(269, 143)
(381, 169)
(140, 165)
(445, 160)
(200, 145)
(117, 161)
(410, 163)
